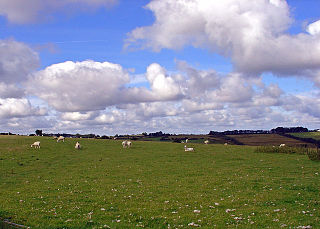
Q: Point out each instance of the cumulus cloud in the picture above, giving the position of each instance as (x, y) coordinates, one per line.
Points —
(162, 86)
(21, 11)
(314, 28)
(78, 116)
(18, 108)
(10, 91)
(88, 85)
(253, 35)
(17, 60)
(79, 86)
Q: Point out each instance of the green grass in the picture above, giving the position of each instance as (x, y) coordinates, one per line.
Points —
(154, 185)
(314, 135)
(285, 149)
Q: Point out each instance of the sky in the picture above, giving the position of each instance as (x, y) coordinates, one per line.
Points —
(186, 66)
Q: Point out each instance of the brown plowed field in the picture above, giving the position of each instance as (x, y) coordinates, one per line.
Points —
(268, 139)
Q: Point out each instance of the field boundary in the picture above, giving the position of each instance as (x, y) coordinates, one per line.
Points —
(307, 140)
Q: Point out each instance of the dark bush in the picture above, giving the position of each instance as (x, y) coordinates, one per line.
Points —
(277, 149)
(314, 154)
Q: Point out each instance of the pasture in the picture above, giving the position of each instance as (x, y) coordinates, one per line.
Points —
(267, 139)
(314, 135)
(154, 185)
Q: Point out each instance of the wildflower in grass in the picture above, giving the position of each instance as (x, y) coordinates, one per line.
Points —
(238, 218)
(230, 210)
(193, 224)
(305, 227)
(196, 211)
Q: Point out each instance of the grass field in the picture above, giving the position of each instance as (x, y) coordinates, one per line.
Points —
(314, 135)
(154, 185)
(267, 139)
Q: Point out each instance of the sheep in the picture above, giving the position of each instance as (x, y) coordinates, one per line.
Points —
(225, 144)
(36, 145)
(55, 137)
(126, 144)
(77, 146)
(206, 142)
(187, 140)
(60, 138)
(129, 143)
(188, 149)
(282, 145)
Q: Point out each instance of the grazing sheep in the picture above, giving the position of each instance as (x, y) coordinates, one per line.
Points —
(77, 146)
(35, 145)
(282, 145)
(60, 138)
(187, 140)
(206, 142)
(55, 137)
(129, 143)
(225, 144)
(126, 144)
(188, 149)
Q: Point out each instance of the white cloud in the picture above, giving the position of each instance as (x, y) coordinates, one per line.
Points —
(252, 33)
(162, 85)
(22, 11)
(79, 86)
(17, 60)
(10, 91)
(314, 28)
(88, 85)
(18, 108)
(77, 116)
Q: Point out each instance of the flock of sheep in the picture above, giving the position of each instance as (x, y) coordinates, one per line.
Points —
(60, 138)
(125, 144)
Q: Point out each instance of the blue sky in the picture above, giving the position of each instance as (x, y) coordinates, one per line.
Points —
(182, 71)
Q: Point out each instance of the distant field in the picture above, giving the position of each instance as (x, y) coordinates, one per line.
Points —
(266, 139)
(154, 185)
(314, 135)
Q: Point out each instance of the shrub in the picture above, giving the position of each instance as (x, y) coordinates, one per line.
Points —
(314, 154)
(277, 149)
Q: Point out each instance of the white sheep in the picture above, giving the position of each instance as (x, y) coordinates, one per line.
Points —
(60, 138)
(206, 142)
(225, 144)
(188, 149)
(77, 146)
(35, 145)
(126, 144)
(129, 143)
(282, 145)
(187, 140)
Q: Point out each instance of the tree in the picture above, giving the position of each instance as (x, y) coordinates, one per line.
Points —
(38, 132)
